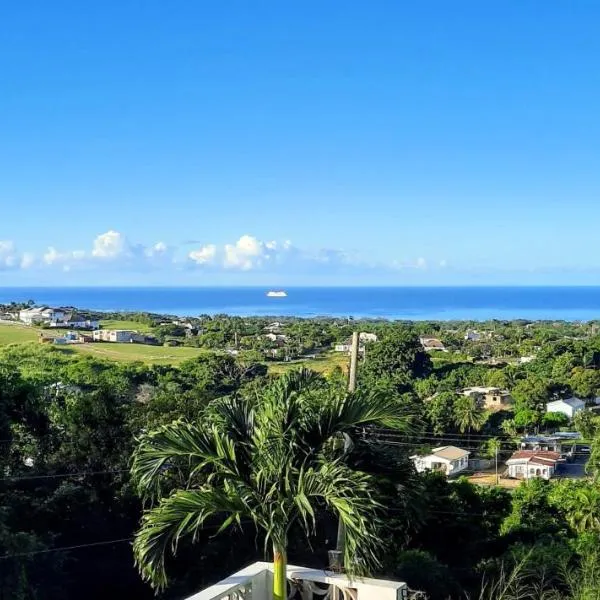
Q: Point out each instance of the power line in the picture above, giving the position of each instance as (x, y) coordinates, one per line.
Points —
(59, 475)
(64, 548)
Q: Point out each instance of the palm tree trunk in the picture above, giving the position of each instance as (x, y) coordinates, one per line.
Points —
(279, 573)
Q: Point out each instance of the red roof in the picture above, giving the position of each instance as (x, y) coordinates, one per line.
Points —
(539, 457)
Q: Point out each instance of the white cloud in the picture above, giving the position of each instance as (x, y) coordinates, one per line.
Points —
(52, 256)
(110, 245)
(247, 253)
(27, 260)
(204, 256)
(9, 257)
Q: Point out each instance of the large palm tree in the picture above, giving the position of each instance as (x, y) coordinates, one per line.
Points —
(272, 460)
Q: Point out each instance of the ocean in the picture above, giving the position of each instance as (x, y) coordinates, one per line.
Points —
(414, 303)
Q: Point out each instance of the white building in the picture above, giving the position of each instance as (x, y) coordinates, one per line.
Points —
(74, 320)
(531, 464)
(472, 336)
(275, 337)
(41, 314)
(113, 335)
(447, 459)
(363, 339)
(569, 406)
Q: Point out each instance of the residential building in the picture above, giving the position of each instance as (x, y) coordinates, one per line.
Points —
(491, 398)
(553, 443)
(74, 320)
(41, 314)
(527, 359)
(450, 460)
(114, 335)
(569, 406)
(276, 337)
(473, 336)
(274, 327)
(432, 343)
(531, 464)
(364, 338)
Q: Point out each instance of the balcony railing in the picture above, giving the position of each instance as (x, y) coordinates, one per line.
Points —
(255, 583)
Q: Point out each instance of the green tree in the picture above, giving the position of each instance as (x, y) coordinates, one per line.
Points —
(587, 424)
(273, 461)
(399, 357)
(440, 412)
(468, 414)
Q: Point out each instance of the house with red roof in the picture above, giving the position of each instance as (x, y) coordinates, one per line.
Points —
(530, 464)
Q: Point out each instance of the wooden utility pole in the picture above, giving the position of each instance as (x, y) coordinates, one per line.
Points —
(353, 362)
(336, 558)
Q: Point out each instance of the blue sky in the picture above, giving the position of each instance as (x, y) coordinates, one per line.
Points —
(272, 142)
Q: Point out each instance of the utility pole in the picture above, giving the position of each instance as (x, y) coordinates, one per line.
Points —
(336, 557)
(497, 463)
(353, 362)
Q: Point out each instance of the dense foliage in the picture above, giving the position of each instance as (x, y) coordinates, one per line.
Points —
(69, 424)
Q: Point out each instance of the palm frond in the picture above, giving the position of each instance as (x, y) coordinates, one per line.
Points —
(180, 445)
(181, 514)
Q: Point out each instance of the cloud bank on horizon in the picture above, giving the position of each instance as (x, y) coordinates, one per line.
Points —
(113, 250)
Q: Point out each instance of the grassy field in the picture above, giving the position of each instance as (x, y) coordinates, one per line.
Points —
(115, 324)
(152, 355)
(325, 363)
(17, 334)
(157, 355)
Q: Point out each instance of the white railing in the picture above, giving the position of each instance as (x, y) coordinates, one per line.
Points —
(255, 583)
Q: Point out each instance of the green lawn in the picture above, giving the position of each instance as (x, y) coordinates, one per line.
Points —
(116, 324)
(17, 334)
(153, 355)
(324, 363)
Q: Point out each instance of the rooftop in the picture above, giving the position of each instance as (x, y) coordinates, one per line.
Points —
(255, 583)
(450, 452)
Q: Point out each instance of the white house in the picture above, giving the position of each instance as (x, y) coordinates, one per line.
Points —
(41, 314)
(274, 327)
(530, 464)
(527, 359)
(275, 337)
(363, 339)
(74, 320)
(447, 459)
(472, 336)
(569, 406)
(113, 335)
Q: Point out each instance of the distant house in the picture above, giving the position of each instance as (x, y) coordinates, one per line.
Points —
(491, 398)
(569, 406)
(276, 337)
(41, 314)
(527, 359)
(473, 336)
(274, 327)
(531, 464)
(552, 442)
(432, 343)
(113, 335)
(363, 339)
(74, 320)
(449, 460)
